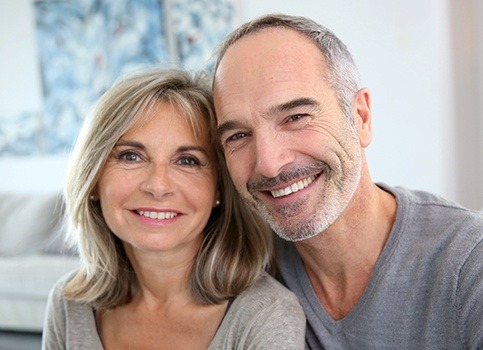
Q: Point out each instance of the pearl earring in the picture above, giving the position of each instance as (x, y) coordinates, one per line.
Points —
(217, 202)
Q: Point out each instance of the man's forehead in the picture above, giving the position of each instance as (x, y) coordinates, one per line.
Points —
(270, 51)
(264, 69)
(263, 42)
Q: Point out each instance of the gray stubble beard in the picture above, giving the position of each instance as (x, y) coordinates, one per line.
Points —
(323, 218)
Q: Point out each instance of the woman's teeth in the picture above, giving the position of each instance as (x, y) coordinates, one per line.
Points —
(295, 187)
(157, 215)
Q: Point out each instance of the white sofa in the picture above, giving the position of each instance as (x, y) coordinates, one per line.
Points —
(33, 256)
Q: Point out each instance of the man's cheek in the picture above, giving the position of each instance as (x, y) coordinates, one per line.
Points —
(239, 181)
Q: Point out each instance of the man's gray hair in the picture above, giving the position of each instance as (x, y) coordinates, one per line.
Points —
(342, 75)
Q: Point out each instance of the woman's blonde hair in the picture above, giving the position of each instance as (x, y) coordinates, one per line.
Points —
(237, 244)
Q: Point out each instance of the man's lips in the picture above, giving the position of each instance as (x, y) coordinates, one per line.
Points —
(294, 187)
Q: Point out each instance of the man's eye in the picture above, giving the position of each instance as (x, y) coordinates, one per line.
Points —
(129, 157)
(237, 136)
(295, 117)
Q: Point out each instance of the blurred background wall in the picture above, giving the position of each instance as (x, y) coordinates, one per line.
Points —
(421, 59)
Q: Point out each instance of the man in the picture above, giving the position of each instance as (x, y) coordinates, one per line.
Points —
(374, 267)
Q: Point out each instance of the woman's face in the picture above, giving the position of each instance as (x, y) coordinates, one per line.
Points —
(158, 186)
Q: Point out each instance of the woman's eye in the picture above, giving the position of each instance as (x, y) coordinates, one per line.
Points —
(129, 157)
(189, 161)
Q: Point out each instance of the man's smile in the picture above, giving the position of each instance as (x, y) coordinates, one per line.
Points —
(295, 187)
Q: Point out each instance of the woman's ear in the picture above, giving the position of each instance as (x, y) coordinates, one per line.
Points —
(94, 196)
(363, 116)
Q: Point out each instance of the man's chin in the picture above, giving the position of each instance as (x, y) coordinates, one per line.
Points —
(296, 237)
(287, 222)
(294, 232)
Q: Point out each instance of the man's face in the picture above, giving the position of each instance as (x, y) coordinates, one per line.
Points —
(292, 154)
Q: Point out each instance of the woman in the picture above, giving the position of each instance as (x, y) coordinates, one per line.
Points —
(170, 256)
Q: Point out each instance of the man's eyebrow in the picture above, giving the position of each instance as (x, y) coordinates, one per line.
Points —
(226, 126)
(286, 106)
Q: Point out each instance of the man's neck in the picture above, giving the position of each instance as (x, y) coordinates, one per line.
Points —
(339, 261)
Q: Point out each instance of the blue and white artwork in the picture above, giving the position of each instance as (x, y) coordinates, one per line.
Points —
(21, 134)
(199, 27)
(84, 45)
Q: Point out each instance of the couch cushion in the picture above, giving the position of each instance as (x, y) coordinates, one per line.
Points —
(56, 242)
(25, 283)
(26, 220)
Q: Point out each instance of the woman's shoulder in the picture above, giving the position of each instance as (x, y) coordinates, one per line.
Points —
(267, 295)
(70, 310)
(69, 321)
(267, 287)
(264, 316)
(58, 301)
(62, 282)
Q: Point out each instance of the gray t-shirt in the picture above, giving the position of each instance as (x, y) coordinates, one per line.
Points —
(426, 291)
(265, 316)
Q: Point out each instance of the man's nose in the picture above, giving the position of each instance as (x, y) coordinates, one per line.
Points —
(272, 155)
(157, 181)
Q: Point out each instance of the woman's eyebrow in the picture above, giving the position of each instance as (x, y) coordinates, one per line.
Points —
(130, 143)
(180, 149)
(192, 148)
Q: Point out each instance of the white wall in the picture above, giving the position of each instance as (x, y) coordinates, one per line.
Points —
(467, 30)
(20, 89)
(402, 49)
(41, 174)
(20, 92)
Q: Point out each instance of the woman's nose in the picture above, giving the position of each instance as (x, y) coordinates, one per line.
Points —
(157, 181)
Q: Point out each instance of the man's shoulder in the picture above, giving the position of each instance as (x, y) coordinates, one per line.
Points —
(433, 209)
(428, 199)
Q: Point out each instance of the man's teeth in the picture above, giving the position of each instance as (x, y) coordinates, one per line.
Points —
(157, 215)
(295, 187)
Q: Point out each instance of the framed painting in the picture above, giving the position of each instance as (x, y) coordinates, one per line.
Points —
(84, 45)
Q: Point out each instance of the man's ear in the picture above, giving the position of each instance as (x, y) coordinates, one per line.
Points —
(363, 116)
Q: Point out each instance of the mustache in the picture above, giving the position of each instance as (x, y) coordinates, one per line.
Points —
(263, 183)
